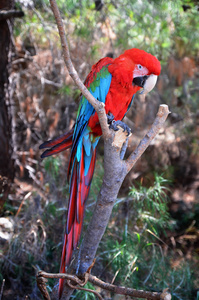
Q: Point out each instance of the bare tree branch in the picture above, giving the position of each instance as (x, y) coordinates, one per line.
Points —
(114, 174)
(73, 281)
(121, 290)
(98, 106)
(7, 14)
(41, 283)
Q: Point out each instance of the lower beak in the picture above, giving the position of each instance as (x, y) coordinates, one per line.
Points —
(149, 84)
(146, 82)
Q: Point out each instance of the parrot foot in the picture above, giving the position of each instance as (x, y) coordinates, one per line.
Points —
(114, 125)
(110, 118)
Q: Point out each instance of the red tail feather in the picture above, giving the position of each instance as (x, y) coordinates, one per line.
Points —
(72, 155)
(58, 140)
(58, 144)
(66, 258)
(72, 201)
(79, 190)
(77, 230)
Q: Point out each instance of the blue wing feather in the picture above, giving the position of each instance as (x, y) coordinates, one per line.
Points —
(86, 110)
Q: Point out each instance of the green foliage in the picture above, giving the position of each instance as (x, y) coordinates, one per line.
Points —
(52, 166)
(85, 295)
(151, 204)
(160, 27)
(139, 262)
(134, 252)
(65, 90)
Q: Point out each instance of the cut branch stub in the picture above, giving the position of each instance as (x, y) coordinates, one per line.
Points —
(120, 137)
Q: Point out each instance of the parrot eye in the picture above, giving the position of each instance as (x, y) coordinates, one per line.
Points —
(139, 67)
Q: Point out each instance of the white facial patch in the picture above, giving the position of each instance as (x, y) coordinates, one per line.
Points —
(149, 84)
(140, 71)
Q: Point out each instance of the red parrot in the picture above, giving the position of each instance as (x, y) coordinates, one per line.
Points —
(113, 82)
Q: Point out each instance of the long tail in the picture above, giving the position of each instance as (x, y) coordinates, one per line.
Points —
(80, 171)
(79, 191)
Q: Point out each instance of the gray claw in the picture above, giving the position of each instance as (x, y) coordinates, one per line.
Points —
(125, 127)
(110, 117)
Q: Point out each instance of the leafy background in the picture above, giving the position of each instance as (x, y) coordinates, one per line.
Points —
(152, 240)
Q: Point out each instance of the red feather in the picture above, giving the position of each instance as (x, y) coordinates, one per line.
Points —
(58, 140)
(58, 144)
(77, 231)
(96, 68)
(66, 258)
(72, 155)
(72, 201)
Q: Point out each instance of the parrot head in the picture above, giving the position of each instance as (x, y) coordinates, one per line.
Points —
(146, 70)
(141, 69)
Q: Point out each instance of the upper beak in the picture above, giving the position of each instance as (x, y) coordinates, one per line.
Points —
(146, 82)
(140, 81)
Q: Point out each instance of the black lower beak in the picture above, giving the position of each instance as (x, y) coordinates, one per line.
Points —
(140, 81)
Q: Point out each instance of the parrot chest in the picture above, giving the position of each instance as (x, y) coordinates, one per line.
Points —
(118, 100)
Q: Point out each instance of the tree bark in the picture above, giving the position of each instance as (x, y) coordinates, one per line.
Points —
(6, 161)
(115, 170)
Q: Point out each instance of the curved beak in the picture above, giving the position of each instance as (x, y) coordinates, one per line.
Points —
(140, 81)
(146, 82)
(149, 84)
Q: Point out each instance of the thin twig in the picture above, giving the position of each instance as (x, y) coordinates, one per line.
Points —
(41, 282)
(98, 106)
(8, 14)
(2, 287)
(22, 202)
(121, 290)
